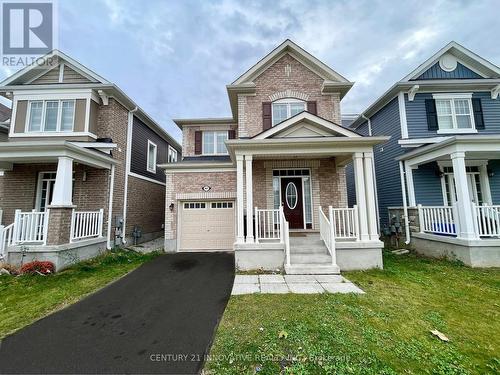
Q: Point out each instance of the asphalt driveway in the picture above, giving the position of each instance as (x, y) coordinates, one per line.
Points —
(161, 318)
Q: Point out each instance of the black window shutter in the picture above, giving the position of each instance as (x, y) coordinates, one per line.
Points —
(197, 142)
(266, 115)
(478, 113)
(311, 107)
(231, 134)
(430, 108)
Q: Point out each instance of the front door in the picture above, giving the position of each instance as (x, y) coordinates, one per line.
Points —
(46, 182)
(292, 200)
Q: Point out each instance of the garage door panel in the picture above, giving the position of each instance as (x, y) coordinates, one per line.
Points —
(207, 228)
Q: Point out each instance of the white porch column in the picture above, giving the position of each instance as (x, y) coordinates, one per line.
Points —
(409, 185)
(239, 198)
(464, 206)
(371, 208)
(359, 181)
(249, 191)
(63, 188)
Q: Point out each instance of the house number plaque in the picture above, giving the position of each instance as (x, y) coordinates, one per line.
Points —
(206, 188)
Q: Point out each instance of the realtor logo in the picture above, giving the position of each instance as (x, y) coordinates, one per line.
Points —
(28, 30)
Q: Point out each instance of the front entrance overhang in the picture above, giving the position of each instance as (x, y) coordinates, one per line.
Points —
(479, 147)
(50, 152)
(299, 148)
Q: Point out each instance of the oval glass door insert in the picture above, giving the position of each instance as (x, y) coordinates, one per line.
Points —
(291, 195)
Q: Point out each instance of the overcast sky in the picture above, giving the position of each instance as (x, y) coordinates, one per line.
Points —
(174, 58)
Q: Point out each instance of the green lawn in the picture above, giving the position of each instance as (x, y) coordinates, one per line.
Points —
(25, 299)
(385, 331)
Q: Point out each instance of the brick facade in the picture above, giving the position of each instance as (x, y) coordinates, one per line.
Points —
(301, 83)
(192, 183)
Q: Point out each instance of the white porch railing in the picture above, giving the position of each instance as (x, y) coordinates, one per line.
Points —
(86, 224)
(327, 231)
(30, 227)
(438, 219)
(345, 222)
(6, 238)
(285, 235)
(487, 221)
(267, 225)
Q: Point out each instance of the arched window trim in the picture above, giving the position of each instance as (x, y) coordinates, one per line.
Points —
(291, 109)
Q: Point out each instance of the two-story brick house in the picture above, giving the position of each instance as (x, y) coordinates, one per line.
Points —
(78, 172)
(442, 164)
(261, 182)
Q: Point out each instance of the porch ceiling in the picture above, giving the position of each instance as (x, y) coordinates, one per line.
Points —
(50, 151)
(476, 147)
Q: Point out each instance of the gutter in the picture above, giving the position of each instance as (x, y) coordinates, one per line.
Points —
(127, 170)
(405, 206)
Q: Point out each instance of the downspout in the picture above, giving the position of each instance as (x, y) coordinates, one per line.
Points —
(127, 170)
(405, 207)
(369, 125)
(110, 205)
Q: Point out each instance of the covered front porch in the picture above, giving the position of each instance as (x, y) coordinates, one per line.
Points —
(292, 206)
(460, 217)
(54, 202)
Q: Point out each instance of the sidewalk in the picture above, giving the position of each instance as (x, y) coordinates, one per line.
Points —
(301, 284)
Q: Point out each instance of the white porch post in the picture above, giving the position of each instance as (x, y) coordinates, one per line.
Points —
(409, 185)
(249, 191)
(370, 197)
(464, 204)
(239, 198)
(359, 180)
(63, 187)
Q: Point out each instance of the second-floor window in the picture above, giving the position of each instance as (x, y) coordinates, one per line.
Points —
(286, 108)
(214, 142)
(172, 154)
(454, 113)
(51, 116)
(151, 162)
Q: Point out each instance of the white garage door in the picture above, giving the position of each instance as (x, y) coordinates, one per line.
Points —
(207, 225)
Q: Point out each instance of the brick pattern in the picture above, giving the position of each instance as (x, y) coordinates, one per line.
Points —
(59, 229)
(192, 182)
(274, 81)
(188, 136)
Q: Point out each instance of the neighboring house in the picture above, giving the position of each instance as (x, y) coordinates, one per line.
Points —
(444, 154)
(261, 182)
(5, 113)
(79, 170)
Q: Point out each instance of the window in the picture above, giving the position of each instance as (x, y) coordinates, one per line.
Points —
(476, 184)
(454, 113)
(194, 205)
(51, 116)
(222, 204)
(214, 142)
(286, 108)
(172, 154)
(151, 163)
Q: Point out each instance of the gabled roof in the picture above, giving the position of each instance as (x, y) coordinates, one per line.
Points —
(325, 127)
(484, 68)
(321, 69)
(464, 56)
(37, 69)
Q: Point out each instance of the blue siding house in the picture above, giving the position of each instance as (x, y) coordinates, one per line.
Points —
(441, 166)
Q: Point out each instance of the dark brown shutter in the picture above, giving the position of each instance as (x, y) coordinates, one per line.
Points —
(430, 108)
(267, 121)
(231, 134)
(311, 108)
(197, 142)
(478, 113)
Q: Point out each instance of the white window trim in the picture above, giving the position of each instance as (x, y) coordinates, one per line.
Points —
(42, 124)
(172, 151)
(455, 129)
(286, 101)
(215, 132)
(152, 170)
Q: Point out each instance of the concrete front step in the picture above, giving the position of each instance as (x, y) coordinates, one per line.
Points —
(306, 243)
(312, 269)
(308, 250)
(310, 259)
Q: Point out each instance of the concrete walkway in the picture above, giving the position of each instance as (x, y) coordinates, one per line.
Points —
(300, 284)
(148, 247)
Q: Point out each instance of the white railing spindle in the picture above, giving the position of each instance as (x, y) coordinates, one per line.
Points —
(86, 224)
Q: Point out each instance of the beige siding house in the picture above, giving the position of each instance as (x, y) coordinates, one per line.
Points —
(269, 182)
(78, 167)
